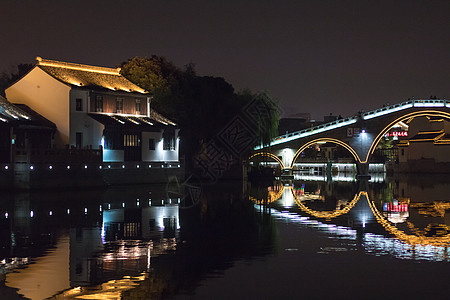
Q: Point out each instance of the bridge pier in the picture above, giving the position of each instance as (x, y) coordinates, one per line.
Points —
(363, 170)
(287, 174)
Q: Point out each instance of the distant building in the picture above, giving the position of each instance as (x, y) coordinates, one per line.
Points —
(97, 108)
(22, 130)
(428, 144)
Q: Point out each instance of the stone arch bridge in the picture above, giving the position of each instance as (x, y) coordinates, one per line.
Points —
(370, 127)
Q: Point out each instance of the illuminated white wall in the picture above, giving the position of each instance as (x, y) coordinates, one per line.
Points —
(113, 155)
(158, 213)
(80, 121)
(47, 96)
(159, 154)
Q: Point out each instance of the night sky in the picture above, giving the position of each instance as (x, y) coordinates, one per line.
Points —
(319, 57)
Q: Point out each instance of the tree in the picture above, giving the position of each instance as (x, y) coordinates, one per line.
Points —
(6, 79)
(201, 105)
(267, 116)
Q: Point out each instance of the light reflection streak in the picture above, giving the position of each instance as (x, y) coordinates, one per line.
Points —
(326, 214)
(415, 246)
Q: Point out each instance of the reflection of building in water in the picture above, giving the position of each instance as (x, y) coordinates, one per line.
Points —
(148, 222)
(435, 209)
(84, 242)
(339, 176)
(122, 246)
(397, 210)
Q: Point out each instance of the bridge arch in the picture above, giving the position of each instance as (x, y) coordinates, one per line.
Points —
(328, 215)
(270, 155)
(326, 140)
(423, 113)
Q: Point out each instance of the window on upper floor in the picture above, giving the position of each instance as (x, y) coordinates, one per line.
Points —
(98, 103)
(119, 105)
(138, 106)
(79, 104)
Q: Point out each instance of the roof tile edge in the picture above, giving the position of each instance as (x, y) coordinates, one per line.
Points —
(75, 66)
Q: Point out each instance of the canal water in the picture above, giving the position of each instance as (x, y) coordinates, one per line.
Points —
(307, 238)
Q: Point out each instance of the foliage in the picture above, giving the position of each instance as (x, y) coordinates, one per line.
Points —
(6, 79)
(268, 119)
(201, 105)
(386, 143)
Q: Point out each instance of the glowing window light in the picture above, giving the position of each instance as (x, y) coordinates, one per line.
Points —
(6, 215)
(137, 166)
(85, 210)
(123, 204)
(99, 167)
(50, 213)
(68, 167)
(68, 211)
(6, 167)
(31, 213)
(123, 166)
(31, 167)
(50, 167)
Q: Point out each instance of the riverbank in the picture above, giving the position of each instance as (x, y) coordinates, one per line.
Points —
(25, 176)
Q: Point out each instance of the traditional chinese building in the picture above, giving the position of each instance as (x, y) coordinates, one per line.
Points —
(428, 145)
(22, 131)
(97, 108)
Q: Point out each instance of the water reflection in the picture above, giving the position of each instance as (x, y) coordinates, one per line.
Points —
(81, 239)
(114, 243)
(405, 226)
(138, 242)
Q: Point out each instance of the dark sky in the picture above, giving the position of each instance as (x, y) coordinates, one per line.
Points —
(313, 56)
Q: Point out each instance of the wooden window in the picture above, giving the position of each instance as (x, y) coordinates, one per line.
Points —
(79, 104)
(99, 103)
(169, 140)
(151, 144)
(79, 139)
(138, 106)
(119, 105)
(131, 140)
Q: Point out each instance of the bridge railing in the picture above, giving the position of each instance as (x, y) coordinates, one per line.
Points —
(350, 120)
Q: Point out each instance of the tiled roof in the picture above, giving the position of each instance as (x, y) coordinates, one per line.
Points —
(9, 112)
(22, 114)
(88, 76)
(427, 136)
(132, 121)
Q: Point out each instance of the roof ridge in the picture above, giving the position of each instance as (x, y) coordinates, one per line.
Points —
(75, 66)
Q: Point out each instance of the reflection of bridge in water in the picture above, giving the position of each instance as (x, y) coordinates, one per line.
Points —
(370, 127)
(417, 240)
